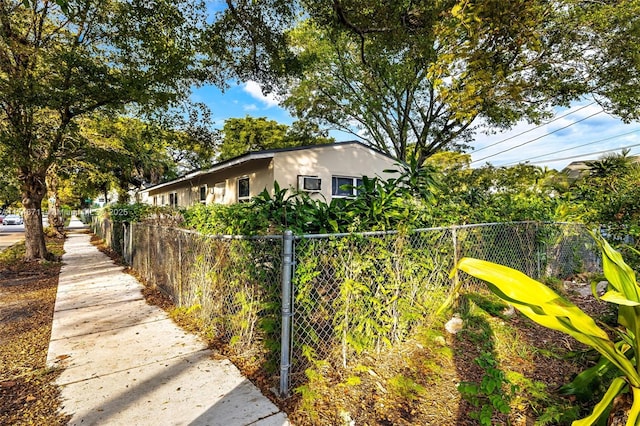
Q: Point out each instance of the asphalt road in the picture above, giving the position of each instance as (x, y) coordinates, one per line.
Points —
(11, 234)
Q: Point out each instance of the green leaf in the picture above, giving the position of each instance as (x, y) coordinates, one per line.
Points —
(544, 306)
(634, 412)
(617, 272)
(622, 278)
(602, 407)
(490, 386)
(585, 384)
(533, 299)
(618, 298)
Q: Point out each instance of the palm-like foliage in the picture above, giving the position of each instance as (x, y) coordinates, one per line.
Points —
(610, 165)
(549, 309)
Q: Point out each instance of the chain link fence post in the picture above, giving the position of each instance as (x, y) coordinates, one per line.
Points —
(454, 238)
(148, 262)
(131, 231)
(539, 242)
(179, 236)
(285, 341)
(125, 242)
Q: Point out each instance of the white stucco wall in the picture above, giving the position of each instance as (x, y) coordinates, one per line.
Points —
(324, 161)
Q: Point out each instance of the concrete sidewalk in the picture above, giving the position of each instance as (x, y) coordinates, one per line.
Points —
(126, 363)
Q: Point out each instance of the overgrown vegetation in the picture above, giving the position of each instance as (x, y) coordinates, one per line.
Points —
(415, 198)
(492, 395)
(445, 192)
(607, 196)
(360, 302)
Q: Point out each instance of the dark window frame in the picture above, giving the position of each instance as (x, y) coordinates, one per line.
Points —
(203, 194)
(337, 182)
(243, 194)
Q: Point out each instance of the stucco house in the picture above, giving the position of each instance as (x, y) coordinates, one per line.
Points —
(320, 170)
(579, 169)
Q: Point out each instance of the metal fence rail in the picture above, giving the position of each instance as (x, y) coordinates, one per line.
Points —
(344, 294)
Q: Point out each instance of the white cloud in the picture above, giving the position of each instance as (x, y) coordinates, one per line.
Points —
(255, 91)
(250, 107)
(580, 135)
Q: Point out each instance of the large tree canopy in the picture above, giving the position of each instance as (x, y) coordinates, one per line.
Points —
(9, 186)
(242, 135)
(59, 65)
(413, 78)
(124, 153)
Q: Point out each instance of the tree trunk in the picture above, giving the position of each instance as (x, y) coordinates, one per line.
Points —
(33, 191)
(56, 221)
(123, 196)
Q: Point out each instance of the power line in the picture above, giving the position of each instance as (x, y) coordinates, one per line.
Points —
(589, 153)
(539, 137)
(578, 146)
(534, 128)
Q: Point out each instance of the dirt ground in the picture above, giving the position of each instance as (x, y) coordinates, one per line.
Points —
(415, 383)
(27, 297)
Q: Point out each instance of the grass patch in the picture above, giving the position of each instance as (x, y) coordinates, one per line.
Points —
(12, 255)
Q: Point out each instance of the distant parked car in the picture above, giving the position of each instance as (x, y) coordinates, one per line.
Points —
(12, 219)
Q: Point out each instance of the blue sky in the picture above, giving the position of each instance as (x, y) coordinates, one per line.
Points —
(239, 101)
(577, 133)
(581, 132)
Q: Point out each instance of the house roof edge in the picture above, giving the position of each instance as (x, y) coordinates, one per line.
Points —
(256, 155)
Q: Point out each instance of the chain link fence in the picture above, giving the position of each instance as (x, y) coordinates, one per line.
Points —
(231, 285)
(351, 294)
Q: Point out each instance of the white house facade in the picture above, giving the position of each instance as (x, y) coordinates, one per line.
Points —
(322, 171)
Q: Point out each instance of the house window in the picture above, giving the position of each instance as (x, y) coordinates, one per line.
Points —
(219, 191)
(203, 194)
(173, 199)
(342, 186)
(309, 183)
(243, 189)
(155, 201)
(162, 200)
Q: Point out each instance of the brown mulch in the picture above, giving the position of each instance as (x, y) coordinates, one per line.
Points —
(28, 394)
